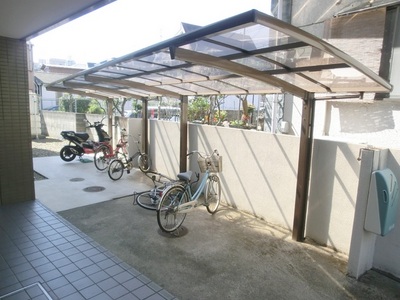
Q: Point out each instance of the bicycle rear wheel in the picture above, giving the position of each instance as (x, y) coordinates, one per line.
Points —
(116, 169)
(144, 163)
(149, 199)
(213, 194)
(168, 217)
(102, 158)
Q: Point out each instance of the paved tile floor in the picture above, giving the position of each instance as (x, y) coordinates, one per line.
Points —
(42, 256)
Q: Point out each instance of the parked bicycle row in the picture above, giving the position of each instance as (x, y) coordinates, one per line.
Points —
(116, 160)
(171, 198)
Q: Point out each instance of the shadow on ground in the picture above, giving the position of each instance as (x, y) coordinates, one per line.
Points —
(229, 255)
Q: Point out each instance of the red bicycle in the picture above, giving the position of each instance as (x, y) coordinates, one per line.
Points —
(105, 153)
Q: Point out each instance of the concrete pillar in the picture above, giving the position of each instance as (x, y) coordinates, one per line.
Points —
(362, 245)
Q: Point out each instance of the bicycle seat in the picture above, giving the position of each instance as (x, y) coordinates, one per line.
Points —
(185, 176)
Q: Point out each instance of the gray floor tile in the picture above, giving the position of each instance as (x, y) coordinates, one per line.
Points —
(37, 245)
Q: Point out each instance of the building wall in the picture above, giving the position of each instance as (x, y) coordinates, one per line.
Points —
(361, 35)
(16, 166)
(53, 122)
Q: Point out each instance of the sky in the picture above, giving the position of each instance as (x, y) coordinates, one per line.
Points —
(125, 26)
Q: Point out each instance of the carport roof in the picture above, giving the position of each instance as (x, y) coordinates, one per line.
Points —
(250, 53)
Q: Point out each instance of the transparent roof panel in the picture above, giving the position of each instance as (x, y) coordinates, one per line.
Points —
(107, 74)
(121, 72)
(141, 66)
(178, 90)
(343, 80)
(302, 57)
(258, 63)
(251, 37)
(184, 76)
(162, 79)
(162, 58)
(210, 48)
(222, 87)
(248, 53)
(208, 72)
(298, 80)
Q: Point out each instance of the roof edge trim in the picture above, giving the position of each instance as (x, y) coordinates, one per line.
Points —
(67, 19)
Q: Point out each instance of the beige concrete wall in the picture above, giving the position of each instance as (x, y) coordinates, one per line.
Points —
(333, 192)
(164, 146)
(259, 169)
(259, 176)
(53, 122)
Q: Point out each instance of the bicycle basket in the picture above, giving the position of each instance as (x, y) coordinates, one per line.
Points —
(212, 163)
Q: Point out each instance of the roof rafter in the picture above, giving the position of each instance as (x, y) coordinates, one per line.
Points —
(212, 61)
(102, 89)
(77, 92)
(132, 84)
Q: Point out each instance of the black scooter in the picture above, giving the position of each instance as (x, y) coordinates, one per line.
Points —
(79, 143)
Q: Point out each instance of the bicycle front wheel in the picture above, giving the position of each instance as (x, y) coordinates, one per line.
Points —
(116, 169)
(168, 217)
(149, 199)
(102, 158)
(213, 195)
(144, 163)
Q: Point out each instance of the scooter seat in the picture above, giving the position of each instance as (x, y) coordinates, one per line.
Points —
(81, 135)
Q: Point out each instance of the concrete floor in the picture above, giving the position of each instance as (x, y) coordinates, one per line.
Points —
(230, 255)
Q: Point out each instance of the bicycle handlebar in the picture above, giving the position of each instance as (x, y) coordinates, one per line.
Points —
(203, 154)
(96, 123)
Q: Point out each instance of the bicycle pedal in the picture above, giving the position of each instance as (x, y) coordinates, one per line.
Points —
(128, 171)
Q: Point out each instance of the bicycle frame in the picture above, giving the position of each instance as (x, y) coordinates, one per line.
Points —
(131, 158)
(120, 145)
(194, 198)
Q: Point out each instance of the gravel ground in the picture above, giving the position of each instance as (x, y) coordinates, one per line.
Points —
(47, 147)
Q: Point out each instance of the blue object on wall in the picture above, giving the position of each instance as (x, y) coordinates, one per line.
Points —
(383, 201)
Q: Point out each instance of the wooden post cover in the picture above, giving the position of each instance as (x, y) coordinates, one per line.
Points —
(303, 170)
(184, 134)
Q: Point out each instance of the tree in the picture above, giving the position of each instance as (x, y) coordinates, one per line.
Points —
(215, 103)
(198, 109)
(137, 108)
(119, 105)
(73, 103)
(97, 107)
(247, 109)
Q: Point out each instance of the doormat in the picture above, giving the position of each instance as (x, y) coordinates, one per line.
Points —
(36, 290)
(38, 176)
(85, 160)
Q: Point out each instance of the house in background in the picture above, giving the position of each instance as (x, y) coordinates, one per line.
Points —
(47, 74)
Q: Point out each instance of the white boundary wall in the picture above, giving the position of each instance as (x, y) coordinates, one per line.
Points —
(260, 173)
(259, 176)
